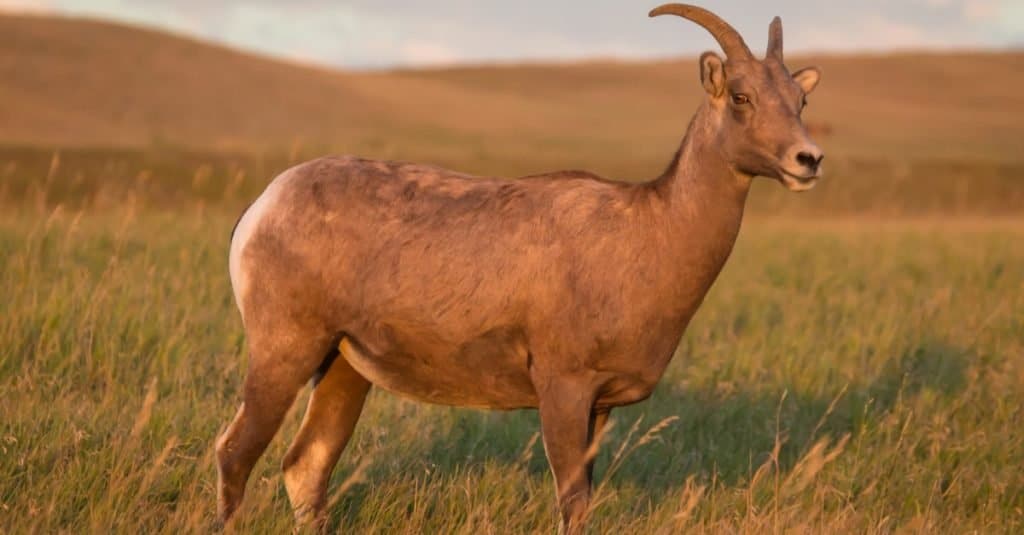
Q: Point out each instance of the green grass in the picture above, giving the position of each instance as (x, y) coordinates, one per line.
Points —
(850, 376)
(847, 373)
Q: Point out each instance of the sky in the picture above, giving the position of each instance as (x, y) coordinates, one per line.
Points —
(389, 33)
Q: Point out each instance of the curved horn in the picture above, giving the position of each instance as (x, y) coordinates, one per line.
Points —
(727, 36)
(775, 40)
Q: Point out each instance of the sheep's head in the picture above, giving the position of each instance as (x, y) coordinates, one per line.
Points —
(758, 103)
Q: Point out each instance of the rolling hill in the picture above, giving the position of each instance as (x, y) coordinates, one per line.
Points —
(904, 133)
(79, 82)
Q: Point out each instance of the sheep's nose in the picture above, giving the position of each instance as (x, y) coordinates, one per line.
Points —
(810, 157)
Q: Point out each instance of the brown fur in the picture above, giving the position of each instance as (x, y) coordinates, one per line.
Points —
(563, 292)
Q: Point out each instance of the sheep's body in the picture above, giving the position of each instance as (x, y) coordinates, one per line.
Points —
(564, 292)
(436, 282)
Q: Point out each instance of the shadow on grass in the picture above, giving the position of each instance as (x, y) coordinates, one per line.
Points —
(727, 433)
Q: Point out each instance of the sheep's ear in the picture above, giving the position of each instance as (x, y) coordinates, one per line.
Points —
(712, 74)
(807, 78)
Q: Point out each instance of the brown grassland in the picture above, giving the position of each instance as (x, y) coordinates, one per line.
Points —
(858, 367)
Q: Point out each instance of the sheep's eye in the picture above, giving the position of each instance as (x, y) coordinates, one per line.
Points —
(740, 99)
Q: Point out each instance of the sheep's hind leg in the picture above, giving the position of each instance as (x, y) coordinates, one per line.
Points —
(278, 367)
(331, 416)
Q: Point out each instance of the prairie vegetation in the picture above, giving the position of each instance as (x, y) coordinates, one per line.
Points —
(858, 367)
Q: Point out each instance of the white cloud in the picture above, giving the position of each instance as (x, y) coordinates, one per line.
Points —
(26, 6)
(371, 33)
(980, 10)
(894, 33)
(871, 33)
(428, 53)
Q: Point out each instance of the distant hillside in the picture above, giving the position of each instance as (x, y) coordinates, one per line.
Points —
(73, 82)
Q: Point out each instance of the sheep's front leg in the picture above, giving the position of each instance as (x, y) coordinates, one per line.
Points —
(566, 414)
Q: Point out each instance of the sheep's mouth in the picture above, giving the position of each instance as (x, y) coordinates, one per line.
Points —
(798, 182)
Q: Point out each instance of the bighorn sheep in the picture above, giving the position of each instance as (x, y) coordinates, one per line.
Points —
(563, 292)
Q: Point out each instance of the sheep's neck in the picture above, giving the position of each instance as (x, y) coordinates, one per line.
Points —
(703, 199)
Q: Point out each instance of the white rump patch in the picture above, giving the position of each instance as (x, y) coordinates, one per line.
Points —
(247, 226)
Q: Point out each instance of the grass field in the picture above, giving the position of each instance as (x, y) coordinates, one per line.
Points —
(851, 375)
(858, 367)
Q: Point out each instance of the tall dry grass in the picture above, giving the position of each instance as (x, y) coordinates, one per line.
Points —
(855, 374)
(852, 376)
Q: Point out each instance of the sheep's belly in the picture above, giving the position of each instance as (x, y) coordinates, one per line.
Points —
(499, 380)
